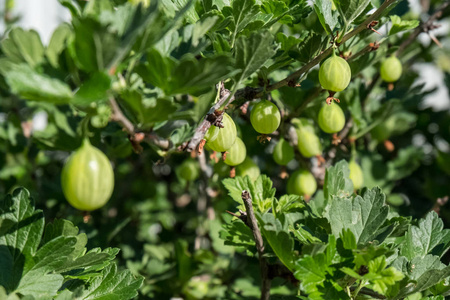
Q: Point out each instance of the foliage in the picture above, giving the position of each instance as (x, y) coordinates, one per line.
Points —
(142, 80)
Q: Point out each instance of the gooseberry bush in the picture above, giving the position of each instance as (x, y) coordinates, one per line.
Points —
(225, 149)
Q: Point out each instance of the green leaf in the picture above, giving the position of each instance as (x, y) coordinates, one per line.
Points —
(308, 48)
(428, 237)
(337, 181)
(252, 52)
(113, 285)
(24, 46)
(189, 76)
(399, 25)
(24, 224)
(93, 90)
(350, 9)
(362, 215)
(57, 44)
(304, 235)
(31, 85)
(325, 14)
(381, 278)
(192, 76)
(277, 235)
(244, 12)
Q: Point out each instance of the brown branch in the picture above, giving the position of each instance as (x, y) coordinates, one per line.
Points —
(134, 136)
(424, 27)
(253, 224)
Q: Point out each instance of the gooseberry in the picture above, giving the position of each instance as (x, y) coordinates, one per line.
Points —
(391, 69)
(302, 183)
(335, 74)
(236, 154)
(283, 153)
(212, 133)
(248, 168)
(308, 142)
(87, 178)
(331, 118)
(356, 174)
(265, 117)
(226, 136)
(188, 170)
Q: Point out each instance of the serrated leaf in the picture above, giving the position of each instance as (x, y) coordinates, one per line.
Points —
(399, 25)
(252, 52)
(25, 225)
(308, 48)
(428, 237)
(325, 14)
(362, 215)
(243, 12)
(31, 85)
(24, 46)
(277, 235)
(57, 44)
(351, 9)
(93, 90)
(337, 181)
(113, 285)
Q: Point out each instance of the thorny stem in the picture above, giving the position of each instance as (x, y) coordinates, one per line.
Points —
(253, 224)
(424, 27)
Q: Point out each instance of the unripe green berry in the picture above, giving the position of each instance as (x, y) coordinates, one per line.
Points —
(335, 74)
(331, 118)
(226, 136)
(248, 168)
(302, 183)
(265, 117)
(356, 175)
(188, 170)
(283, 153)
(236, 154)
(391, 69)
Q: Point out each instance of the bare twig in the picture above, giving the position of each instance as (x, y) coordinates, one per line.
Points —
(424, 27)
(134, 136)
(253, 224)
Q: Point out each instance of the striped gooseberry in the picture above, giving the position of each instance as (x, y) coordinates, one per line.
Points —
(226, 136)
(308, 142)
(236, 154)
(335, 74)
(302, 183)
(356, 174)
(265, 117)
(87, 178)
(212, 133)
(331, 118)
(283, 153)
(391, 69)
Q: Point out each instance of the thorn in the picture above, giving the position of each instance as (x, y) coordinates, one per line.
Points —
(435, 40)
(371, 25)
